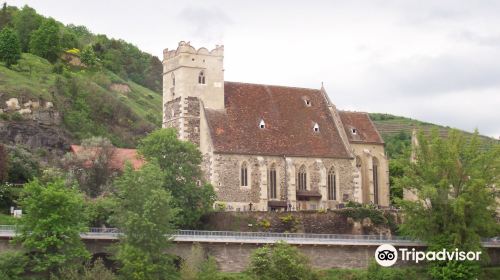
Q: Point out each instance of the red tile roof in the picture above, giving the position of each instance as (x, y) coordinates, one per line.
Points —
(288, 119)
(118, 159)
(366, 132)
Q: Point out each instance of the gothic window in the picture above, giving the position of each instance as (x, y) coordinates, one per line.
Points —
(332, 185)
(201, 78)
(244, 174)
(302, 178)
(375, 180)
(173, 79)
(273, 188)
(262, 124)
(316, 127)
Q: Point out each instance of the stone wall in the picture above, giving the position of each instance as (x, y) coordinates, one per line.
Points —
(171, 113)
(226, 180)
(341, 221)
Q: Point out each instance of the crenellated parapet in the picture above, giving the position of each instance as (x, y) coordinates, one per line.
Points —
(185, 47)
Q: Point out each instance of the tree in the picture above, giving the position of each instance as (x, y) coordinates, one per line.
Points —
(3, 164)
(5, 16)
(51, 224)
(454, 179)
(10, 52)
(180, 165)
(13, 265)
(88, 56)
(91, 167)
(45, 41)
(26, 21)
(22, 165)
(280, 262)
(145, 215)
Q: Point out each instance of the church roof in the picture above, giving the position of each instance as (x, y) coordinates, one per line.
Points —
(289, 116)
(360, 128)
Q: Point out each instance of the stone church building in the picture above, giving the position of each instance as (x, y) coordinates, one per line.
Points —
(269, 147)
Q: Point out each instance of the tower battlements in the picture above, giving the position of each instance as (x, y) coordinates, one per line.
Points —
(185, 47)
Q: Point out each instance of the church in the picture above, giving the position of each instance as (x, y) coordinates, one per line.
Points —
(268, 147)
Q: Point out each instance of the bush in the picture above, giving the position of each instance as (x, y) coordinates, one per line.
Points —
(12, 265)
(376, 216)
(454, 270)
(23, 166)
(376, 272)
(280, 262)
(99, 211)
(95, 271)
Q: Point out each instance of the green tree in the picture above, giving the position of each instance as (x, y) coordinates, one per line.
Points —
(180, 164)
(13, 265)
(46, 40)
(454, 179)
(26, 21)
(280, 262)
(51, 224)
(88, 56)
(5, 16)
(10, 52)
(23, 165)
(145, 215)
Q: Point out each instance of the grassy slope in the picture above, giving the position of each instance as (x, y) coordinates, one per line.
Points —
(33, 78)
(390, 125)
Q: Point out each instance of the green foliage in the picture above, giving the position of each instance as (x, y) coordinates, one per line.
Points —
(358, 214)
(376, 272)
(16, 116)
(10, 51)
(280, 262)
(25, 22)
(92, 166)
(51, 224)
(88, 57)
(455, 181)
(5, 16)
(95, 271)
(289, 222)
(454, 270)
(4, 163)
(45, 41)
(99, 211)
(12, 265)
(264, 224)
(145, 214)
(22, 165)
(180, 165)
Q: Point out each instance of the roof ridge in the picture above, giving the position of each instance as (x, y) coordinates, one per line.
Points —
(267, 85)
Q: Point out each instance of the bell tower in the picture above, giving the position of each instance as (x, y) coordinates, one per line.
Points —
(191, 79)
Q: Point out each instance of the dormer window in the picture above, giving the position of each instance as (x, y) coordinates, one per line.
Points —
(308, 102)
(354, 131)
(316, 127)
(262, 124)
(201, 78)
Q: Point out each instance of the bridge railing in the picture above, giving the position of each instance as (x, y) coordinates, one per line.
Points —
(113, 233)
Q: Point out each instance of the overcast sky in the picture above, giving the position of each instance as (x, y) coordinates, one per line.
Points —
(436, 61)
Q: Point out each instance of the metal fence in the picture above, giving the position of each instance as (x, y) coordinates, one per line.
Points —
(113, 233)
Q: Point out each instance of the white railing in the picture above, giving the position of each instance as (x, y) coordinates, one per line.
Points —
(197, 235)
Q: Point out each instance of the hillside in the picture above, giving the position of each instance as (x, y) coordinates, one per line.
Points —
(82, 102)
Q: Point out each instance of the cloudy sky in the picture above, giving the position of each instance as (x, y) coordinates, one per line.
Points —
(436, 61)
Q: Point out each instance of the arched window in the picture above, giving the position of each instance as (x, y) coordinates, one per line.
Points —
(273, 188)
(173, 79)
(244, 175)
(302, 178)
(201, 78)
(332, 185)
(375, 180)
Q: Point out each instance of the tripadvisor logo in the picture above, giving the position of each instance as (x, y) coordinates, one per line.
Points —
(387, 255)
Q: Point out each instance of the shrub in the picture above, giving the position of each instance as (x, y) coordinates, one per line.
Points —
(280, 262)
(23, 166)
(89, 271)
(12, 265)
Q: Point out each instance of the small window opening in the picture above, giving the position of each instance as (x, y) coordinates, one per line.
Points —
(354, 131)
(316, 127)
(308, 102)
(192, 59)
(173, 79)
(201, 78)
(262, 124)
